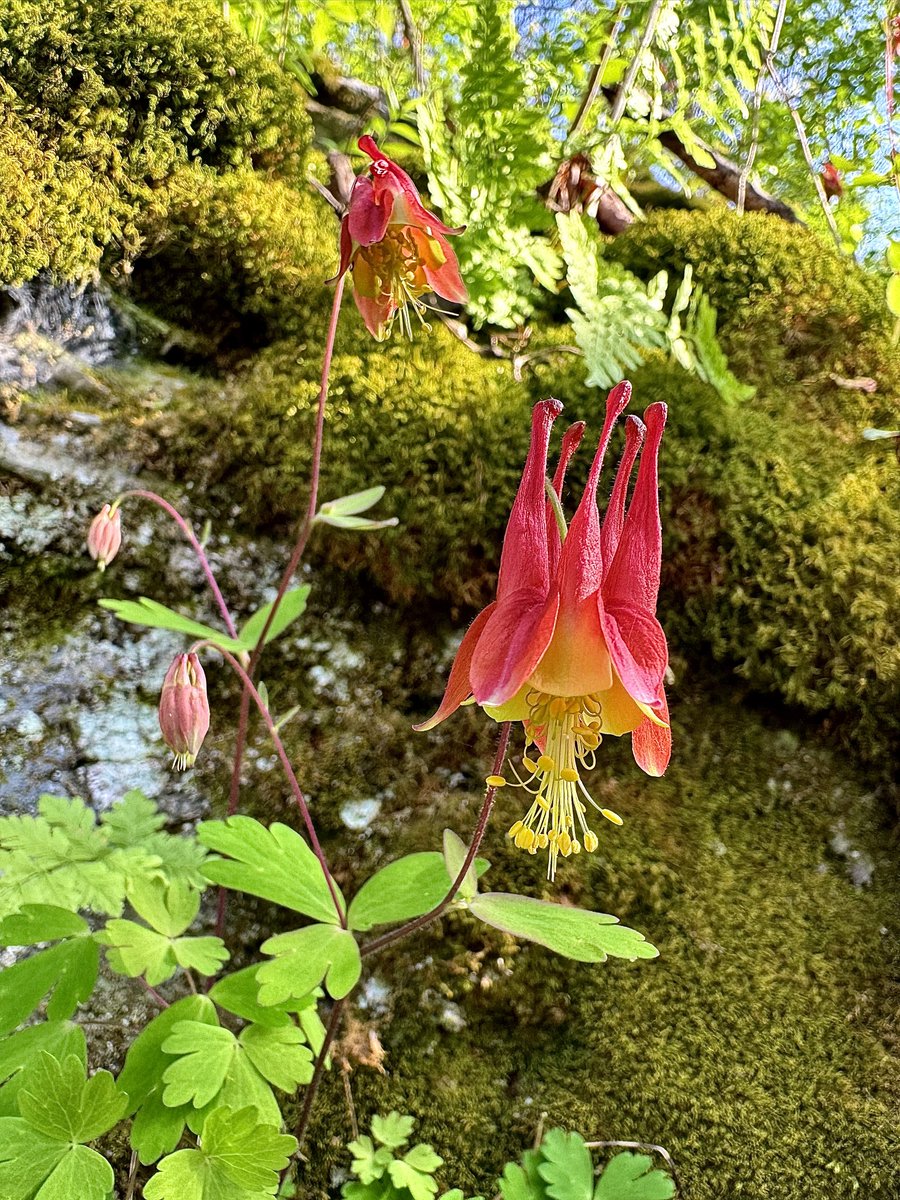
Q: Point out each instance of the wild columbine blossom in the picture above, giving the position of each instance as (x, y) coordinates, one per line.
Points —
(184, 709)
(105, 535)
(571, 647)
(394, 247)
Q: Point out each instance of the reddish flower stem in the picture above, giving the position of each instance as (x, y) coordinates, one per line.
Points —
(309, 1099)
(395, 935)
(288, 770)
(234, 790)
(197, 548)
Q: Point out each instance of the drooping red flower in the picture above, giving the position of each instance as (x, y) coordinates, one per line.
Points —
(571, 647)
(184, 709)
(831, 180)
(395, 249)
(104, 537)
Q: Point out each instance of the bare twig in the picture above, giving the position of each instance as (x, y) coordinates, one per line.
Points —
(757, 101)
(625, 87)
(132, 1176)
(414, 38)
(597, 73)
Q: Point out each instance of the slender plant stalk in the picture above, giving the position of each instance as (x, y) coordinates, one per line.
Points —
(197, 548)
(622, 94)
(289, 772)
(394, 935)
(769, 57)
(234, 790)
(597, 72)
(413, 35)
(309, 1099)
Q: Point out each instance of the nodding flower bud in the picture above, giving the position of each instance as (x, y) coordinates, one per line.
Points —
(105, 535)
(184, 709)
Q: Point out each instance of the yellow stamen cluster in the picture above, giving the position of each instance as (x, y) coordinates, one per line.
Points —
(396, 263)
(569, 730)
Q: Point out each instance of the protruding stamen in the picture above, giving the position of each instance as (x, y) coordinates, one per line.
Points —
(495, 781)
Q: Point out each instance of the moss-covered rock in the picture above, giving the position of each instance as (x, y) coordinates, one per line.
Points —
(115, 97)
(239, 257)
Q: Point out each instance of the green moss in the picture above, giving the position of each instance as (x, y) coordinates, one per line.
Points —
(116, 96)
(238, 257)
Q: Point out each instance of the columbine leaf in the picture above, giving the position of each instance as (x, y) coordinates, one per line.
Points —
(632, 1177)
(419, 1185)
(405, 888)
(68, 970)
(59, 1102)
(274, 863)
(423, 1158)
(40, 923)
(292, 606)
(572, 932)
(368, 1163)
(135, 950)
(153, 615)
(168, 907)
(306, 957)
(238, 993)
(239, 1159)
(279, 1054)
(566, 1168)
(205, 955)
(34, 1166)
(356, 522)
(59, 1038)
(393, 1130)
(523, 1182)
(157, 1129)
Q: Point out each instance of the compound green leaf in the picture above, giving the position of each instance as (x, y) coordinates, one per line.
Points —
(58, 1101)
(632, 1177)
(419, 1185)
(153, 615)
(274, 863)
(405, 888)
(566, 1168)
(305, 958)
(40, 923)
(239, 1159)
(279, 1054)
(394, 1130)
(135, 950)
(238, 993)
(68, 970)
(572, 932)
(205, 1053)
(59, 1038)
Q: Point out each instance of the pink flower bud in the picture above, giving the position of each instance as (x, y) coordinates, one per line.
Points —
(105, 536)
(184, 709)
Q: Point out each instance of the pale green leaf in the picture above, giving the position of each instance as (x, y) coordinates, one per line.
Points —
(135, 950)
(59, 1038)
(238, 993)
(238, 1159)
(572, 932)
(632, 1177)
(893, 295)
(168, 907)
(153, 615)
(292, 606)
(205, 1053)
(60, 1103)
(420, 1186)
(357, 522)
(406, 888)
(392, 1131)
(356, 502)
(274, 863)
(280, 1054)
(455, 851)
(306, 957)
(205, 955)
(423, 1158)
(566, 1166)
(40, 923)
(68, 970)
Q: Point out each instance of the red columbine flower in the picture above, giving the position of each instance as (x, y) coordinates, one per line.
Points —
(571, 647)
(395, 248)
(184, 709)
(105, 535)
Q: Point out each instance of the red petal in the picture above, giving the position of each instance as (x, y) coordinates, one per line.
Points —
(369, 213)
(637, 646)
(523, 563)
(580, 564)
(458, 686)
(615, 511)
(632, 581)
(511, 645)
(570, 443)
(445, 278)
(346, 251)
(651, 744)
(376, 312)
(369, 146)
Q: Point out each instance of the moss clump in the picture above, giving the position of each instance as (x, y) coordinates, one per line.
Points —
(115, 97)
(789, 305)
(239, 257)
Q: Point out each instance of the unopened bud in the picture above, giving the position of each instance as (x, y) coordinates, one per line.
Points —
(105, 536)
(184, 709)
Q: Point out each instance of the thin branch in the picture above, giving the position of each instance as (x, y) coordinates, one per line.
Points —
(394, 935)
(414, 38)
(309, 1099)
(625, 87)
(757, 102)
(597, 73)
(807, 153)
(160, 1000)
